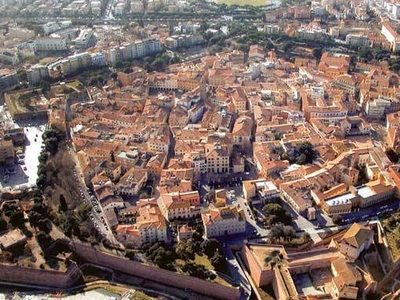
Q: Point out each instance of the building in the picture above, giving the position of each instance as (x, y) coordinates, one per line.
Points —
(265, 190)
(49, 44)
(334, 64)
(393, 120)
(321, 272)
(98, 59)
(256, 53)
(356, 239)
(391, 36)
(184, 233)
(357, 40)
(223, 221)
(82, 42)
(11, 239)
(396, 11)
(9, 57)
(8, 79)
(271, 29)
(346, 82)
(242, 131)
(180, 205)
(183, 40)
(137, 49)
(37, 73)
(295, 193)
(217, 158)
(51, 27)
(6, 151)
(132, 181)
(150, 225)
(377, 107)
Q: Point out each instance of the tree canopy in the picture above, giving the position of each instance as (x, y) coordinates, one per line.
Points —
(301, 154)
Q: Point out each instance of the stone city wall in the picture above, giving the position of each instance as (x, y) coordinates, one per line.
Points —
(207, 288)
(46, 278)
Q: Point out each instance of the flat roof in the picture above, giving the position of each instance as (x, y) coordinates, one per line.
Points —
(266, 184)
(339, 200)
(366, 192)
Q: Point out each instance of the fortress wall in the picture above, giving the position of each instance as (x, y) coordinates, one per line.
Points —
(47, 278)
(207, 288)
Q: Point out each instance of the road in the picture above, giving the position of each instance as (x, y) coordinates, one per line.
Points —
(108, 14)
(237, 272)
(98, 217)
(23, 174)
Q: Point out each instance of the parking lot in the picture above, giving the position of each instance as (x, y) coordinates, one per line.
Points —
(25, 172)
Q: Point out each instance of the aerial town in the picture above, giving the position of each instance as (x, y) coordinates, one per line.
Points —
(199, 149)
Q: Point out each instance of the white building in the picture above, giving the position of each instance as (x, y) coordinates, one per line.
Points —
(36, 73)
(391, 35)
(272, 29)
(396, 11)
(49, 44)
(98, 59)
(83, 40)
(376, 108)
(9, 57)
(51, 27)
(357, 40)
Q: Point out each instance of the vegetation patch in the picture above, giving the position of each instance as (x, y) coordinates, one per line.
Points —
(392, 230)
(194, 257)
(22, 102)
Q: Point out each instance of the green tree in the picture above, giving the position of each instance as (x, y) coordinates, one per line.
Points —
(218, 261)
(337, 220)
(63, 204)
(276, 214)
(17, 219)
(34, 218)
(276, 233)
(209, 247)
(273, 209)
(45, 86)
(288, 232)
(43, 239)
(317, 53)
(3, 224)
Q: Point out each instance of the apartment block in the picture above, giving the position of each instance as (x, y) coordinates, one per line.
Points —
(49, 44)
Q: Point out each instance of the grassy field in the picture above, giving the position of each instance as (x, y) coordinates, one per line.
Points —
(393, 239)
(140, 296)
(201, 260)
(392, 231)
(243, 2)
